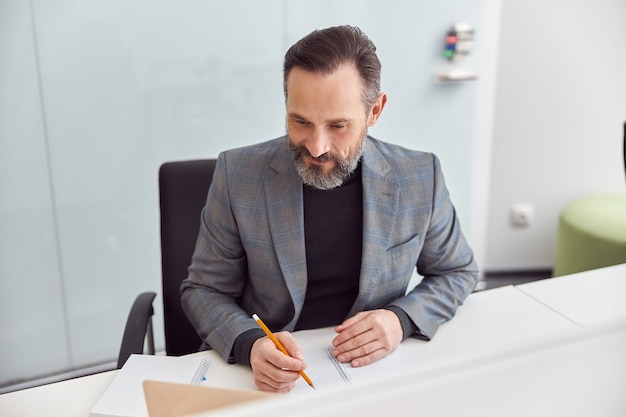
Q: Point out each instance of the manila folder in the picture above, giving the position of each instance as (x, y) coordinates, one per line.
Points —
(166, 399)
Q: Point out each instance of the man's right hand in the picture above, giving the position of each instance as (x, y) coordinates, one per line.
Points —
(273, 370)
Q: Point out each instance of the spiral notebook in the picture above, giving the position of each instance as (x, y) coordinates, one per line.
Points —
(125, 397)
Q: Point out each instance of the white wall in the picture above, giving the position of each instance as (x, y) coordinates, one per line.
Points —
(559, 111)
(95, 95)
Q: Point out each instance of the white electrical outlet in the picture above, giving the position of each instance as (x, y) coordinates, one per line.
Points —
(522, 215)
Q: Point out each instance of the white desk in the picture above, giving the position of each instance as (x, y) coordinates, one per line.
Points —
(580, 376)
(497, 335)
(490, 323)
(589, 298)
(74, 397)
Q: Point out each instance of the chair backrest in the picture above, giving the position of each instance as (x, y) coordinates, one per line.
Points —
(183, 188)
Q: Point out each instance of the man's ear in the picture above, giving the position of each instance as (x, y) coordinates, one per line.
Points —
(376, 109)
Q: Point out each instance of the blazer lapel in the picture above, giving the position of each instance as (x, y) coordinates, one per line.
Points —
(380, 203)
(283, 192)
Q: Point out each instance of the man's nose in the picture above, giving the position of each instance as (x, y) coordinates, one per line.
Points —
(318, 144)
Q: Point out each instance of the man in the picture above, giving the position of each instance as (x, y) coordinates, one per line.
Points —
(332, 239)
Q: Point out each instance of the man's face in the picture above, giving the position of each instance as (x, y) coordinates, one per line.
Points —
(327, 124)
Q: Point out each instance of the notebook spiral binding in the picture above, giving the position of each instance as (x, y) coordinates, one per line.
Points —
(203, 366)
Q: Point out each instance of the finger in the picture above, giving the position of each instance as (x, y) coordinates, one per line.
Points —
(268, 376)
(269, 388)
(345, 354)
(290, 343)
(267, 383)
(369, 358)
(353, 343)
(350, 321)
(365, 354)
(268, 351)
(354, 331)
(279, 376)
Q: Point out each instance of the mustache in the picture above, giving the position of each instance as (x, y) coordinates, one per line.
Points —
(302, 151)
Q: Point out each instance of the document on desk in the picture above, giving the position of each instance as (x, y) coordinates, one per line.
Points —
(125, 397)
(326, 372)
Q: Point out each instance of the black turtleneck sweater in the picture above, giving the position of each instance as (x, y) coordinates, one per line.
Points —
(333, 231)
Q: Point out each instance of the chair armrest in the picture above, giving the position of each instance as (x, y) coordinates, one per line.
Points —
(138, 327)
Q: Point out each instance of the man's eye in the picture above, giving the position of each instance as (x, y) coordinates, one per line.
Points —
(302, 122)
(338, 126)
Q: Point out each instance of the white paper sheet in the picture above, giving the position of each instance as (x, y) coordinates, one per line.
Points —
(326, 372)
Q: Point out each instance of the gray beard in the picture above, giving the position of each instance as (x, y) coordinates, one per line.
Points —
(314, 177)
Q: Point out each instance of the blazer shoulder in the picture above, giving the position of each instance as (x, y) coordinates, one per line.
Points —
(254, 159)
(258, 151)
(405, 164)
(398, 152)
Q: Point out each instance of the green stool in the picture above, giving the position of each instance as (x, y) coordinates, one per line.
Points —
(592, 234)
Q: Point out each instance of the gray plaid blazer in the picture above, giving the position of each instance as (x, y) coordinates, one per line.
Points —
(250, 255)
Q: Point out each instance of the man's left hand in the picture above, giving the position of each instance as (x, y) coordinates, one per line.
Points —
(367, 337)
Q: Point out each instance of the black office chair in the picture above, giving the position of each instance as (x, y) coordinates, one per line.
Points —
(183, 188)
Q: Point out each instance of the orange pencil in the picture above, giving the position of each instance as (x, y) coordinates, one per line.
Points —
(279, 346)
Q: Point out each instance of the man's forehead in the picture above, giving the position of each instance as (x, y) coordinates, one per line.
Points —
(325, 97)
(346, 70)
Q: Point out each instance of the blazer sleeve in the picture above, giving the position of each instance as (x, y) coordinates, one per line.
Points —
(445, 262)
(217, 273)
